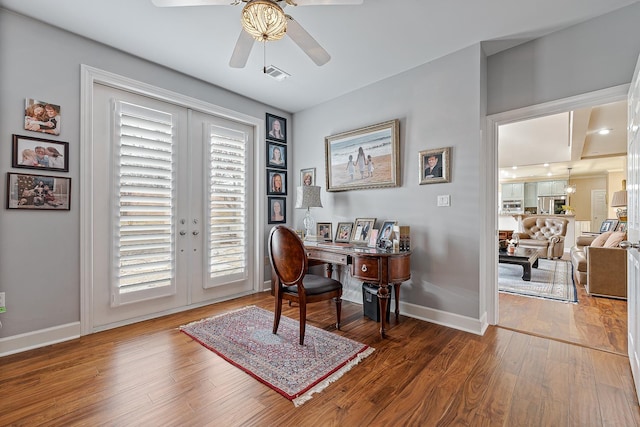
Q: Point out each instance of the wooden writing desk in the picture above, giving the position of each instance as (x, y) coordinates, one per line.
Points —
(369, 265)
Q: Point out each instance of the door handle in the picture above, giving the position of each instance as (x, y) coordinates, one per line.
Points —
(628, 245)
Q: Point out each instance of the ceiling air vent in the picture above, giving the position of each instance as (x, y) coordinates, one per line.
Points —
(276, 73)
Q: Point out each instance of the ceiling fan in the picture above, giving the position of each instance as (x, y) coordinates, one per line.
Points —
(265, 20)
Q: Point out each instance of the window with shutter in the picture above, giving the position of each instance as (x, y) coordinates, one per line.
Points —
(144, 207)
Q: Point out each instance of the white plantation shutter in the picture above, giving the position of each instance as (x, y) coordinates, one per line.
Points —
(144, 207)
(227, 210)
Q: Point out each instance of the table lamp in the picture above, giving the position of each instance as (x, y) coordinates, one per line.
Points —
(619, 200)
(308, 196)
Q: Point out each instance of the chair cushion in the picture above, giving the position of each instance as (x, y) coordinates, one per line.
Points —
(601, 239)
(315, 285)
(614, 240)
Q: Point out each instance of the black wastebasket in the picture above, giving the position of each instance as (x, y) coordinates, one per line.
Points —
(370, 301)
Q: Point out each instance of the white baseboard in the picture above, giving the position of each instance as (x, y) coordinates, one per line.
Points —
(40, 338)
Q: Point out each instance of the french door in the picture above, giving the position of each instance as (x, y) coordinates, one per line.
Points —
(171, 220)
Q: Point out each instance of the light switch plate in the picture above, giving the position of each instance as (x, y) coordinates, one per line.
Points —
(444, 200)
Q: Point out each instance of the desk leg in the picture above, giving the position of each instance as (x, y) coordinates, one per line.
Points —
(383, 300)
(329, 270)
(396, 288)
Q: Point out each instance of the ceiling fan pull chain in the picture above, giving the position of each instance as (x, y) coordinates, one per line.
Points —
(264, 57)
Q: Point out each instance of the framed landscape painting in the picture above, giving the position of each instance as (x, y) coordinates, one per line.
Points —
(363, 158)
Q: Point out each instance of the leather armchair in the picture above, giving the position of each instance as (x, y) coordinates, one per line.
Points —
(602, 271)
(546, 234)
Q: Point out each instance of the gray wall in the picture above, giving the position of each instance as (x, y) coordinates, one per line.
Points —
(438, 105)
(39, 258)
(597, 54)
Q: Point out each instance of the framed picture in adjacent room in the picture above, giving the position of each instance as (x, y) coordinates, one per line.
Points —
(38, 192)
(277, 210)
(37, 153)
(435, 165)
(276, 128)
(276, 155)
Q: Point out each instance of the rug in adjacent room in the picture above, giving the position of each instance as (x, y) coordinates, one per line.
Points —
(553, 279)
(245, 339)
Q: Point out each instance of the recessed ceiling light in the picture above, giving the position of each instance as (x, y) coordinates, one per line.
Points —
(604, 131)
(514, 167)
(546, 165)
(549, 174)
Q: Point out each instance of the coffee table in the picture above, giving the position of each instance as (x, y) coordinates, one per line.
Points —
(525, 257)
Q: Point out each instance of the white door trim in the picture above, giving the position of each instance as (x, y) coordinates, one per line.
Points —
(489, 276)
(90, 76)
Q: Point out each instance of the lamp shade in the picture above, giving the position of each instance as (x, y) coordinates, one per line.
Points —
(308, 196)
(264, 20)
(619, 199)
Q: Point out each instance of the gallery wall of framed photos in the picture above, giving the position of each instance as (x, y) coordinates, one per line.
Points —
(276, 173)
(35, 190)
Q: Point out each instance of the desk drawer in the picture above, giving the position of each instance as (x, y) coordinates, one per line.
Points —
(366, 269)
(327, 257)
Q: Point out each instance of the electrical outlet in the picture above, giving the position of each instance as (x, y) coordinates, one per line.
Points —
(3, 303)
(444, 200)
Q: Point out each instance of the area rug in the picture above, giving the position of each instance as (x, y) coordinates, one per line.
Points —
(553, 279)
(244, 338)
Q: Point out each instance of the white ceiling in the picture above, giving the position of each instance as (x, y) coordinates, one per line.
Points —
(368, 43)
(567, 140)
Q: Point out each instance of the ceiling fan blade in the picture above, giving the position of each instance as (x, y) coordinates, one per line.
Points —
(307, 43)
(179, 3)
(242, 50)
(327, 2)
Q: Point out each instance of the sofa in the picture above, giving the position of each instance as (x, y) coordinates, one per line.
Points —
(543, 233)
(600, 264)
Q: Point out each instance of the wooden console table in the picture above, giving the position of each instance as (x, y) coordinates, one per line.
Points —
(369, 265)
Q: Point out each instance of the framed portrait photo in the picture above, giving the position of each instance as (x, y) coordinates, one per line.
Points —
(324, 230)
(386, 230)
(37, 153)
(276, 155)
(276, 182)
(308, 176)
(362, 230)
(608, 225)
(343, 232)
(38, 192)
(364, 158)
(277, 210)
(434, 165)
(41, 116)
(276, 128)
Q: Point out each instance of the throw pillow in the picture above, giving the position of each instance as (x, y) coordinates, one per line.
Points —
(614, 240)
(601, 239)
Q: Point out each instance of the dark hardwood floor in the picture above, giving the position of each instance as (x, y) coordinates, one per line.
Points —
(150, 374)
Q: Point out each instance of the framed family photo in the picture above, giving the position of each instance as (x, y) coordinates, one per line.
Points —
(364, 158)
(386, 230)
(308, 176)
(276, 128)
(277, 210)
(343, 232)
(38, 192)
(324, 230)
(362, 230)
(276, 182)
(43, 154)
(434, 165)
(276, 155)
(41, 116)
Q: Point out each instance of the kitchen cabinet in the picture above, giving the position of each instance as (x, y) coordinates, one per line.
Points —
(513, 191)
(530, 194)
(551, 188)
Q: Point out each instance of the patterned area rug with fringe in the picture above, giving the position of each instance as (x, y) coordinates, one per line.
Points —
(553, 279)
(244, 339)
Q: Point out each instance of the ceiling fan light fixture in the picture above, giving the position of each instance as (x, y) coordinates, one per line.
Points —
(264, 20)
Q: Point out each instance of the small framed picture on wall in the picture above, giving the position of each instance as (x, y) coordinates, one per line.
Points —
(276, 182)
(308, 176)
(276, 128)
(41, 116)
(37, 153)
(276, 155)
(277, 210)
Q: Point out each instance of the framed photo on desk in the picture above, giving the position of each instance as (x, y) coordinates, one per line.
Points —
(362, 230)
